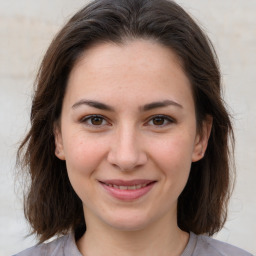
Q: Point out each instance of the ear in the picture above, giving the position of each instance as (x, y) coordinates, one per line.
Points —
(59, 150)
(201, 140)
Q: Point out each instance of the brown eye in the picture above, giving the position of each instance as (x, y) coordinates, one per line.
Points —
(96, 120)
(158, 120)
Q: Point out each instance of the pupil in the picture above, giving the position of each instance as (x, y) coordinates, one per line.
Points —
(158, 121)
(96, 120)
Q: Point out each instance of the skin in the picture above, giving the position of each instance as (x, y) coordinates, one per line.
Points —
(130, 142)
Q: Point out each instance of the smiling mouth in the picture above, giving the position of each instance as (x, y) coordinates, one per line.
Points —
(127, 187)
(127, 190)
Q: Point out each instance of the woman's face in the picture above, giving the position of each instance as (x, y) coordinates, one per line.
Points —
(128, 133)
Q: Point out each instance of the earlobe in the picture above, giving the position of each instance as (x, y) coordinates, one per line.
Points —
(59, 151)
(201, 141)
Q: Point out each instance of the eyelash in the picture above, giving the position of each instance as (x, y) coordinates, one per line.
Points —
(167, 120)
(86, 119)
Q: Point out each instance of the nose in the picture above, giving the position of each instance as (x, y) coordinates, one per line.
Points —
(126, 150)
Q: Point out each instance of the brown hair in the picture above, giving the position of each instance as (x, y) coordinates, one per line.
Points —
(51, 205)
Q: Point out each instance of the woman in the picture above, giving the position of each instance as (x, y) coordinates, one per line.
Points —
(128, 148)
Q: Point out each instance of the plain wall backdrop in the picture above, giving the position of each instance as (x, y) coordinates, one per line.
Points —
(26, 29)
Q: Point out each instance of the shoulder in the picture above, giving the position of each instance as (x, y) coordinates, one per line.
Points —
(64, 245)
(208, 246)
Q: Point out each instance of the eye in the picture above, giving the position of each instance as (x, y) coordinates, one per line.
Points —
(160, 120)
(94, 120)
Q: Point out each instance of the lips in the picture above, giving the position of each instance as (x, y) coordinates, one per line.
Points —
(127, 190)
(127, 187)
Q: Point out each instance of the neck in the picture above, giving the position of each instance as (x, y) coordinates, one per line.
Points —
(162, 238)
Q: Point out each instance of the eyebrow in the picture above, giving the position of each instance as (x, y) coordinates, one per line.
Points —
(160, 104)
(147, 107)
(94, 104)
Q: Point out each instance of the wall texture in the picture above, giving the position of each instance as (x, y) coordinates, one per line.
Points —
(26, 29)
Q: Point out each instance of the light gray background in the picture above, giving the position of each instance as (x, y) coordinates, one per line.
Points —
(26, 29)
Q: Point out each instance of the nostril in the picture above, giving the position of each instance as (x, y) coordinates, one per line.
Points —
(124, 162)
(126, 154)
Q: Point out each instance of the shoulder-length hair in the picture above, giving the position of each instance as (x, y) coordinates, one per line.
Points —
(51, 205)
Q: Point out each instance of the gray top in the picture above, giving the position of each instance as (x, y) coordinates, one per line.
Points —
(198, 245)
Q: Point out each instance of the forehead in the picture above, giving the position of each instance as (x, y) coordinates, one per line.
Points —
(146, 53)
(140, 68)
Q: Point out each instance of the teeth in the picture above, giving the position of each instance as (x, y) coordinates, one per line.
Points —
(128, 187)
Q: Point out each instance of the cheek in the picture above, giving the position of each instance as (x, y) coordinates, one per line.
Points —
(174, 151)
(83, 154)
(83, 157)
(173, 156)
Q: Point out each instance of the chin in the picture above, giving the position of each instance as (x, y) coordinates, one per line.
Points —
(131, 222)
